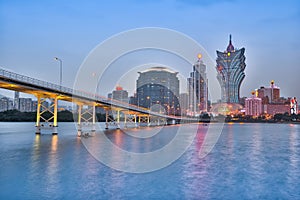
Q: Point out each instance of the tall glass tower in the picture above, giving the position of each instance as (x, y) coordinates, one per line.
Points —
(197, 88)
(230, 68)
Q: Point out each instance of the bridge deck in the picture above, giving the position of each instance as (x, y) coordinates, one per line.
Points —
(16, 82)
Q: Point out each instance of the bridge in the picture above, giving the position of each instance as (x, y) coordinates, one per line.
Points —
(45, 91)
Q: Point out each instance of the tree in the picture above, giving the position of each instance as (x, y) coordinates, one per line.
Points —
(278, 117)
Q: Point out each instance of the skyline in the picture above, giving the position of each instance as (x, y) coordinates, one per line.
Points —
(35, 32)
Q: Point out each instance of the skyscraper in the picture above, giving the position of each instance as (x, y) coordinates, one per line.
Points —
(120, 94)
(269, 94)
(25, 104)
(158, 85)
(197, 88)
(184, 103)
(16, 100)
(5, 104)
(230, 68)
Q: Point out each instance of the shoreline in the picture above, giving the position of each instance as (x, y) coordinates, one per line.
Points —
(200, 122)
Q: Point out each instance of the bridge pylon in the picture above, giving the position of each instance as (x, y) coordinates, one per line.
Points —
(129, 119)
(144, 118)
(47, 113)
(86, 118)
(111, 120)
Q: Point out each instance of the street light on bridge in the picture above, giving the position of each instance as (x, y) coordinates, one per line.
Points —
(60, 66)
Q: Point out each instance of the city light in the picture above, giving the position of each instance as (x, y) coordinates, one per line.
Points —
(199, 56)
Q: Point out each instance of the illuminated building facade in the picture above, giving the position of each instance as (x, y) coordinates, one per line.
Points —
(5, 104)
(230, 68)
(253, 106)
(120, 94)
(294, 106)
(272, 103)
(159, 85)
(269, 94)
(273, 109)
(197, 88)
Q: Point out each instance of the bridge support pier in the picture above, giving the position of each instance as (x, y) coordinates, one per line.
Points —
(110, 120)
(128, 118)
(79, 126)
(144, 119)
(106, 118)
(94, 119)
(55, 106)
(41, 111)
(118, 119)
(135, 123)
(38, 117)
(86, 120)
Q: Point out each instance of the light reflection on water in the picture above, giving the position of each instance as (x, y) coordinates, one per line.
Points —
(250, 161)
(293, 169)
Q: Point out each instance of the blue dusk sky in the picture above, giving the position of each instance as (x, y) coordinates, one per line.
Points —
(32, 32)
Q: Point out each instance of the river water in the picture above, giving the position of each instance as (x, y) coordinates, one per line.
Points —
(249, 161)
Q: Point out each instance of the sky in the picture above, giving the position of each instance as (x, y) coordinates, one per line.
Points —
(33, 32)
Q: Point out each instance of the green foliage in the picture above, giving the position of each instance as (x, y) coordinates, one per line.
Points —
(63, 116)
(278, 117)
(17, 116)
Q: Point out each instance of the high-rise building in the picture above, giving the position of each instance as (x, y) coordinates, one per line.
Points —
(184, 103)
(133, 99)
(16, 100)
(253, 105)
(197, 88)
(34, 105)
(120, 94)
(5, 104)
(269, 94)
(159, 85)
(230, 68)
(25, 104)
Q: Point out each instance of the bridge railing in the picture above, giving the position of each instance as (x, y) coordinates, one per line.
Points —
(29, 80)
